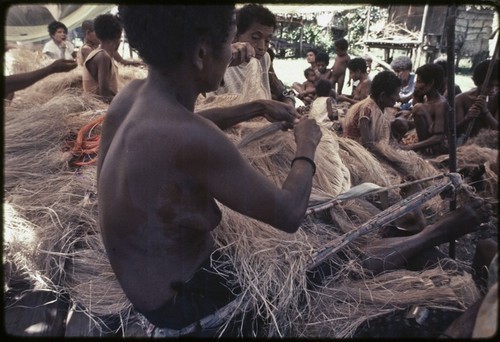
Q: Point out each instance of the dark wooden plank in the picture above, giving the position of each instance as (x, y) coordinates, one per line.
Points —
(35, 313)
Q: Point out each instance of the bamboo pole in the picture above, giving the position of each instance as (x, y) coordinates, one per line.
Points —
(484, 87)
(390, 214)
(452, 135)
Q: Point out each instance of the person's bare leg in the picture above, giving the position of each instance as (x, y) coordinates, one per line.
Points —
(393, 253)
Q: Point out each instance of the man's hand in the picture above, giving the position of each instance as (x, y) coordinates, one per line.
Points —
(241, 53)
(279, 111)
(63, 65)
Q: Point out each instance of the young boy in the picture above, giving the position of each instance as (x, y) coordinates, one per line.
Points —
(340, 65)
(162, 168)
(430, 116)
(91, 42)
(100, 74)
(357, 71)
(322, 72)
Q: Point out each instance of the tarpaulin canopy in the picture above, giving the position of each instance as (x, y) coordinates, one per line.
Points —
(28, 23)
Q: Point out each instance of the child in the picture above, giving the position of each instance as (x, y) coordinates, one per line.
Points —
(100, 74)
(340, 66)
(357, 71)
(306, 90)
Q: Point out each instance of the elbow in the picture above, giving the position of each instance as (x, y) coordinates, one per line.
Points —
(290, 223)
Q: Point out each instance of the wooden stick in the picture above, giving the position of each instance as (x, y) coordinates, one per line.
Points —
(484, 87)
(390, 214)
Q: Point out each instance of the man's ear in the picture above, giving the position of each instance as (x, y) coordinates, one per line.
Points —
(200, 54)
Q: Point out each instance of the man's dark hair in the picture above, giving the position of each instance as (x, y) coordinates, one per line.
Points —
(252, 13)
(431, 73)
(444, 64)
(323, 87)
(357, 64)
(384, 82)
(54, 26)
(108, 27)
(322, 57)
(479, 73)
(161, 36)
(341, 43)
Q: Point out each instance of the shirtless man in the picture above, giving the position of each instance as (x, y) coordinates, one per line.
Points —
(340, 65)
(472, 106)
(162, 167)
(357, 71)
(100, 74)
(429, 117)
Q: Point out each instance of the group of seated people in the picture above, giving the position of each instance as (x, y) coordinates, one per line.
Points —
(415, 102)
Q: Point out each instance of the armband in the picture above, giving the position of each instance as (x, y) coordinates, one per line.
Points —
(309, 160)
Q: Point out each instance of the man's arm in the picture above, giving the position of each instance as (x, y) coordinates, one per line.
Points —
(20, 81)
(272, 110)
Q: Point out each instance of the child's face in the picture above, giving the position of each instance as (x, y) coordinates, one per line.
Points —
(311, 76)
(340, 51)
(321, 66)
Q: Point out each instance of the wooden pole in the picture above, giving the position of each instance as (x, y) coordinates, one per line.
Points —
(483, 89)
(452, 134)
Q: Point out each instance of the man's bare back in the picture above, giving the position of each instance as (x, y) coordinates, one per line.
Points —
(183, 214)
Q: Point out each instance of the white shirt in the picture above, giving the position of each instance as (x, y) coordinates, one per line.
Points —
(55, 52)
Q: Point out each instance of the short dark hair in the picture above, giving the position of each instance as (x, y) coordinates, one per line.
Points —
(357, 64)
(108, 27)
(87, 25)
(54, 26)
(322, 57)
(313, 51)
(251, 13)
(341, 43)
(307, 71)
(323, 87)
(431, 72)
(384, 82)
(160, 34)
(444, 64)
(479, 73)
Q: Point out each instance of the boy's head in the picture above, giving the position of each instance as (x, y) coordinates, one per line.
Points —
(255, 25)
(480, 71)
(89, 35)
(57, 31)
(429, 77)
(108, 27)
(357, 67)
(323, 88)
(162, 38)
(309, 74)
(341, 45)
(385, 88)
(322, 61)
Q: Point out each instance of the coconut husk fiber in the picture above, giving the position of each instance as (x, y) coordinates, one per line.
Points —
(58, 205)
